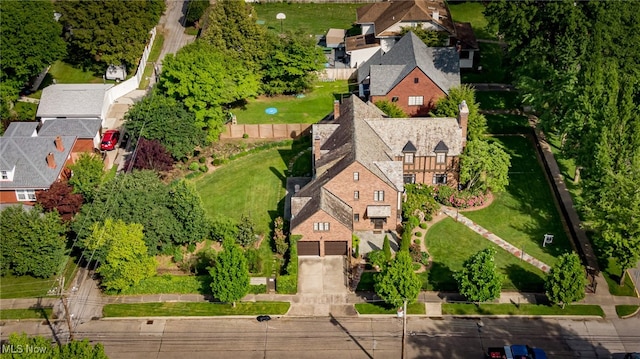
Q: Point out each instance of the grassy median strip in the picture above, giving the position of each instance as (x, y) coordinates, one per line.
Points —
(190, 309)
(383, 308)
(522, 309)
(30, 313)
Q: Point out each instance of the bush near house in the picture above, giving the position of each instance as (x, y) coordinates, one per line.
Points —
(288, 283)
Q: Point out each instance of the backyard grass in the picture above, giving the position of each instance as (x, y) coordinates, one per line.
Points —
(507, 124)
(253, 185)
(498, 100)
(311, 108)
(190, 309)
(383, 308)
(153, 57)
(29, 287)
(626, 310)
(26, 110)
(311, 19)
(567, 166)
(526, 211)
(65, 73)
(473, 12)
(31, 313)
(492, 71)
(522, 309)
(451, 243)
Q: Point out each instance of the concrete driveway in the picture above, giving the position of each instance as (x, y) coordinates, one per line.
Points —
(322, 275)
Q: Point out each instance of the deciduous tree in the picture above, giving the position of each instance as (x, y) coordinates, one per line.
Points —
(87, 175)
(151, 155)
(186, 205)
(398, 282)
(122, 254)
(566, 280)
(449, 107)
(479, 280)
(60, 197)
(391, 109)
(485, 166)
(430, 38)
(230, 274)
(38, 347)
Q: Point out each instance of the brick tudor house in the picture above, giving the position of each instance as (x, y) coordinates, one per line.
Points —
(361, 161)
(411, 75)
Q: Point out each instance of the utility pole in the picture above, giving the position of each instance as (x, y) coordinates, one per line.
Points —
(67, 315)
(404, 326)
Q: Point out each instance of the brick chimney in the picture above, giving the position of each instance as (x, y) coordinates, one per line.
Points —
(316, 148)
(336, 109)
(59, 145)
(463, 120)
(51, 161)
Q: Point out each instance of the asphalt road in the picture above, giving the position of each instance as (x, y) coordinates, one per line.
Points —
(380, 337)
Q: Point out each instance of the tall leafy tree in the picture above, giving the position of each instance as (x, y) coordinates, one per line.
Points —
(151, 155)
(566, 280)
(230, 273)
(99, 33)
(122, 254)
(60, 197)
(162, 118)
(78, 349)
(195, 10)
(206, 81)
(87, 175)
(449, 107)
(32, 243)
(398, 282)
(187, 207)
(485, 166)
(479, 280)
(291, 65)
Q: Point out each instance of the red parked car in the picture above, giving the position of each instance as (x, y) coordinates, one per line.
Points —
(110, 140)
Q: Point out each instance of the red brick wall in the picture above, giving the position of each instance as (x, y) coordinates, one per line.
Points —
(8, 196)
(343, 186)
(337, 232)
(424, 167)
(407, 87)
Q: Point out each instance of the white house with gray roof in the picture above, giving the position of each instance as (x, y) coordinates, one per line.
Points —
(74, 101)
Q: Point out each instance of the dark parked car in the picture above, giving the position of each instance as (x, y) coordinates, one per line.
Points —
(110, 140)
(263, 318)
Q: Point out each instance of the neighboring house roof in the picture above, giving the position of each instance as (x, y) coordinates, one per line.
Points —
(72, 101)
(466, 36)
(385, 71)
(21, 129)
(81, 128)
(29, 156)
(358, 42)
(388, 13)
(335, 37)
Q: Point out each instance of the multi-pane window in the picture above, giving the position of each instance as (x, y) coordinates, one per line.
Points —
(408, 157)
(356, 217)
(441, 157)
(356, 194)
(321, 226)
(378, 196)
(26, 194)
(409, 178)
(440, 179)
(4, 175)
(416, 100)
(356, 176)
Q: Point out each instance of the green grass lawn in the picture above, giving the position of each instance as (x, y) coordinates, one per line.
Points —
(312, 19)
(451, 243)
(153, 57)
(253, 185)
(493, 70)
(65, 73)
(314, 106)
(188, 309)
(171, 284)
(498, 100)
(383, 308)
(473, 12)
(26, 110)
(611, 272)
(522, 309)
(29, 287)
(525, 212)
(567, 167)
(366, 282)
(40, 313)
(625, 310)
(507, 124)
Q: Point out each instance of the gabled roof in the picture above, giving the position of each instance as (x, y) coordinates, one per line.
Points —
(441, 147)
(466, 36)
(385, 71)
(335, 37)
(72, 101)
(81, 128)
(326, 201)
(21, 129)
(409, 147)
(28, 155)
(388, 13)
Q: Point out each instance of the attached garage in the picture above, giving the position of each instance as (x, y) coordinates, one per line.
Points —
(335, 248)
(310, 248)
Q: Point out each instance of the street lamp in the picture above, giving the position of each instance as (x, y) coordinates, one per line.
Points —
(281, 16)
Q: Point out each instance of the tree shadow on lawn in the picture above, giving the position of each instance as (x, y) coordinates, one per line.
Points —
(524, 280)
(440, 278)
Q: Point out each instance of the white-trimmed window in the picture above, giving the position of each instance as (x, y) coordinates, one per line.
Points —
(378, 196)
(440, 178)
(441, 157)
(356, 176)
(26, 195)
(356, 194)
(408, 157)
(356, 217)
(4, 175)
(416, 100)
(321, 226)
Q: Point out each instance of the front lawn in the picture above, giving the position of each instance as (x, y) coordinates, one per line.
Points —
(522, 309)
(253, 185)
(312, 19)
(526, 211)
(171, 284)
(311, 108)
(190, 309)
(30, 313)
(384, 308)
(451, 243)
(29, 287)
(611, 272)
(626, 310)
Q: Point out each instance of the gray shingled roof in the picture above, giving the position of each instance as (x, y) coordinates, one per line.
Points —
(28, 155)
(21, 129)
(440, 64)
(72, 101)
(82, 128)
(326, 201)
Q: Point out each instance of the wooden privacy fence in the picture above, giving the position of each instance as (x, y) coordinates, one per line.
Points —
(282, 130)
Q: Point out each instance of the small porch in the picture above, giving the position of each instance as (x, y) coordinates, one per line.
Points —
(373, 240)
